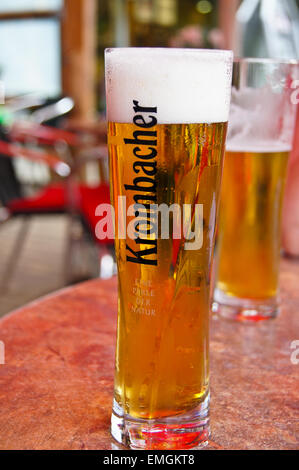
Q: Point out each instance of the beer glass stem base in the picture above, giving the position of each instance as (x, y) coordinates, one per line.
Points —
(238, 309)
(186, 431)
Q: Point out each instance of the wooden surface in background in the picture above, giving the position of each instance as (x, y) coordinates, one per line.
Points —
(56, 387)
(79, 23)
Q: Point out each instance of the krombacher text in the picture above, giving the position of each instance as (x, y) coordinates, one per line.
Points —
(144, 142)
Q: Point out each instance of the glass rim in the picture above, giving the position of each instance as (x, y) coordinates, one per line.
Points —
(169, 49)
(266, 61)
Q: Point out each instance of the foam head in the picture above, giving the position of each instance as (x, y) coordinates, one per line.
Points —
(186, 85)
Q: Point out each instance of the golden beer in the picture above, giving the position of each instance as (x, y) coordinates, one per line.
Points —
(162, 344)
(166, 139)
(249, 231)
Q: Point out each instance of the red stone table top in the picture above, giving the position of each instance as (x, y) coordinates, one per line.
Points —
(56, 386)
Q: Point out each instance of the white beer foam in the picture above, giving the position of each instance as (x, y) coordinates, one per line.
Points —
(261, 119)
(264, 147)
(186, 85)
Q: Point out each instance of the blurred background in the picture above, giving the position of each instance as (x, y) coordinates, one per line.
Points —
(53, 156)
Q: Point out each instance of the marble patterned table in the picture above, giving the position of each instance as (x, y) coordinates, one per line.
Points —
(56, 385)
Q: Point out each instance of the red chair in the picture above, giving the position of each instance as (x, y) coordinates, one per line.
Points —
(14, 204)
(64, 196)
(83, 202)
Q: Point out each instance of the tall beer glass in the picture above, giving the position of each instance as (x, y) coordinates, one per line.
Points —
(261, 126)
(167, 112)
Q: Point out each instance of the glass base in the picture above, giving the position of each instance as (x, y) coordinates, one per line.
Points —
(186, 431)
(234, 308)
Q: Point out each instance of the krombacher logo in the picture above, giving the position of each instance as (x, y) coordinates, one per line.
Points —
(144, 185)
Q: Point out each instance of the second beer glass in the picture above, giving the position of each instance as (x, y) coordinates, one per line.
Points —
(167, 111)
(260, 138)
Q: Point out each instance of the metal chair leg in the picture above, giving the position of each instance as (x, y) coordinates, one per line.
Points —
(15, 254)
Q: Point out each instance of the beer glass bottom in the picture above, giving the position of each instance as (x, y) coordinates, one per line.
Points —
(238, 309)
(186, 431)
